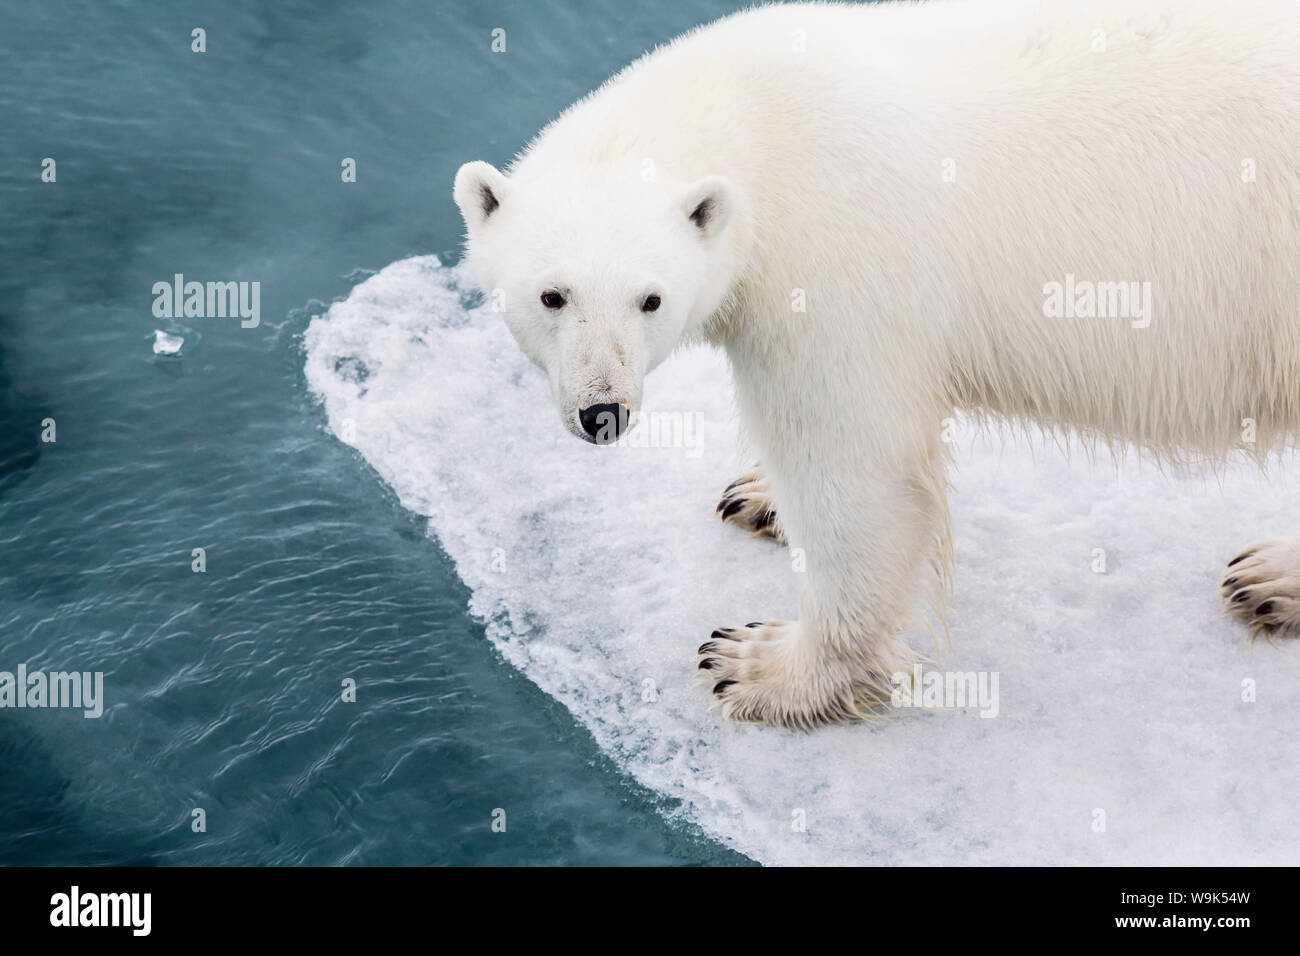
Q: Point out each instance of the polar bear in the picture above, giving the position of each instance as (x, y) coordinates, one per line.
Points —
(1083, 215)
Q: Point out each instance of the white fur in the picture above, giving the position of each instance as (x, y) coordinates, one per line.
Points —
(1100, 139)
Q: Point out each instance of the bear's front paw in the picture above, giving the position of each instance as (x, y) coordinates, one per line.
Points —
(1262, 587)
(759, 676)
(747, 502)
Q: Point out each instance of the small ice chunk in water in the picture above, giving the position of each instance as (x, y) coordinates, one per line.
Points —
(165, 343)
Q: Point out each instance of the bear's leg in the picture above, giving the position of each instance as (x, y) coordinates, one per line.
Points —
(865, 542)
(747, 503)
(1262, 587)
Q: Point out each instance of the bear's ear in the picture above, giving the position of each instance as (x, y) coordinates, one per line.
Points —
(709, 204)
(480, 189)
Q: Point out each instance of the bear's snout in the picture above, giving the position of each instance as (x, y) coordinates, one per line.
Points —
(605, 422)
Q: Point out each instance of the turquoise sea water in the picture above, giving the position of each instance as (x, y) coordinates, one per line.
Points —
(222, 688)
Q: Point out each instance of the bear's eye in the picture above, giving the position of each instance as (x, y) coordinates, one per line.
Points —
(552, 300)
(650, 304)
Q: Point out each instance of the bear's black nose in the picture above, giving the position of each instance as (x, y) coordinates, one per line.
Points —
(604, 423)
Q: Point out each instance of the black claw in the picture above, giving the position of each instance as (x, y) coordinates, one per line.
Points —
(1240, 596)
(735, 483)
(707, 664)
(1239, 558)
(723, 634)
(720, 686)
(732, 508)
(755, 624)
(706, 647)
(721, 504)
(1265, 608)
(1230, 582)
(765, 519)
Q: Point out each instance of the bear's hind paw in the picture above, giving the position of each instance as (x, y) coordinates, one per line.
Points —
(1262, 588)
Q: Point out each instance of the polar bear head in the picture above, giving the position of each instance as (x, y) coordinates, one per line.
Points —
(600, 272)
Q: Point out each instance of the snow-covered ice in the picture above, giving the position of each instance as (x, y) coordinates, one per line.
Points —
(1126, 731)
